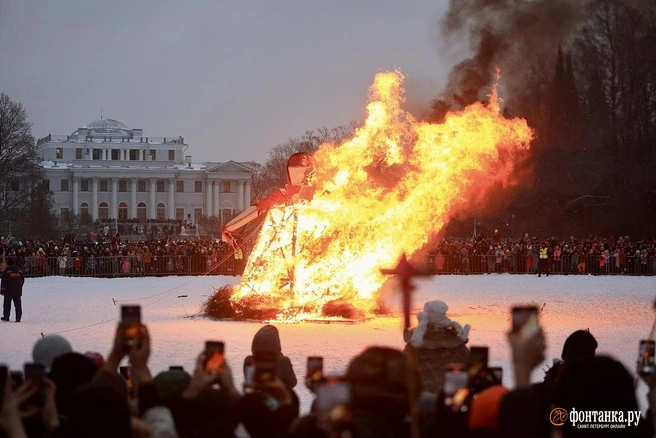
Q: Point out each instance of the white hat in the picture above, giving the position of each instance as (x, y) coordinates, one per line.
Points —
(49, 347)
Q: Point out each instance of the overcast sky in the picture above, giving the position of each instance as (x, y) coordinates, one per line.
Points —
(233, 78)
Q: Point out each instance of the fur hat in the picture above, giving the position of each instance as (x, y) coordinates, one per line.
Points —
(49, 347)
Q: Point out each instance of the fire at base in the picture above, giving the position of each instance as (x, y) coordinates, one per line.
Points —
(383, 193)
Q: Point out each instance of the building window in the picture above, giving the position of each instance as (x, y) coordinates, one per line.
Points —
(84, 210)
(122, 185)
(64, 213)
(134, 154)
(198, 213)
(116, 154)
(141, 211)
(141, 185)
(227, 215)
(160, 212)
(97, 154)
(78, 153)
(179, 214)
(171, 155)
(179, 186)
(226, 186)
(161, 187)
(59, 153)
(64, 185)
(122, 211)
(84, 185)
(198, 186)
(102, 185)
(103, 211)
(153, 155)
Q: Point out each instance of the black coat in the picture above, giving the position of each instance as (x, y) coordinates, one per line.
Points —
(12, 282)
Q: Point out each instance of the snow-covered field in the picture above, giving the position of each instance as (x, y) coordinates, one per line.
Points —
(617, 310)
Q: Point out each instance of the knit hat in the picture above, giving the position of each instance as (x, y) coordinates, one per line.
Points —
(484, 412)
(171, 383)
(48, 348)
(579, 345)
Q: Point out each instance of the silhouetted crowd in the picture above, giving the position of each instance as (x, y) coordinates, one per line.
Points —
(64, 393)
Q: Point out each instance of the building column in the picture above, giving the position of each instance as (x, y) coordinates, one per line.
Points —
(172, 198)
(208, 197)
(240, 197)
(152, 208)
(133, 198)
(216, 204)
(113, 212)
(94, 198)
(76, 202)
(247, 200)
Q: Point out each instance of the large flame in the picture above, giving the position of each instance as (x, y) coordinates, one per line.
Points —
(383, 193)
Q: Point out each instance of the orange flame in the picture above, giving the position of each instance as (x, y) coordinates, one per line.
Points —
(383, 193)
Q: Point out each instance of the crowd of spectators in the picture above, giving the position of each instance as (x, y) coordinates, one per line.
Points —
(91, 395)
(108, 254)
(113, 256)
(591, 255)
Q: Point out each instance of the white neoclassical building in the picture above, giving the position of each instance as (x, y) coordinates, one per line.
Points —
(107, 170)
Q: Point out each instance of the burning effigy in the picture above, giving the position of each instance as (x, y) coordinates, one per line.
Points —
(351, 209)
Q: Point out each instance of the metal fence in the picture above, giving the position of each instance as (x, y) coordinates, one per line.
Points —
(132, 266)
(593, 264)
(226, 264)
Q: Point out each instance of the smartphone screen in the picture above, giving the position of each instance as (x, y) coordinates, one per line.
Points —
(332, 392)
(35, 373)
(455, 388)
(314, 370)
(525, 320)
(455, 378)
(647, 347)
(249, 375)
(17, 379)
(479, 359)
(214, 356)
(266, 365)
(131, 322)
(496, 374)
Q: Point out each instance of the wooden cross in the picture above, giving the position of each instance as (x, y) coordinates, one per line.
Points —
(405, 270)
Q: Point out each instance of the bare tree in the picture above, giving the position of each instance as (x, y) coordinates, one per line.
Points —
(21, 176)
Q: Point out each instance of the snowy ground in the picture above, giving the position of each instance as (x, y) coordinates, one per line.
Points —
(617, 310)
